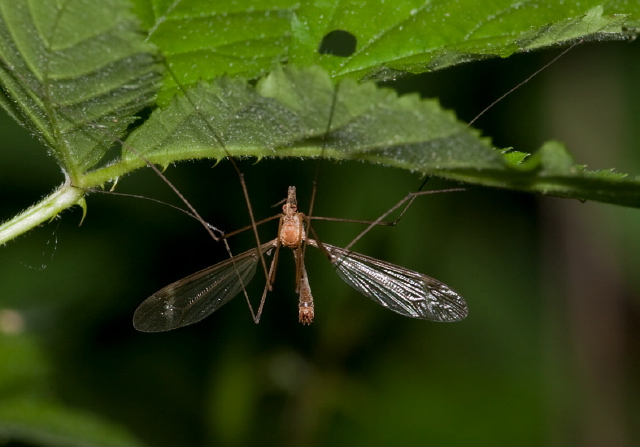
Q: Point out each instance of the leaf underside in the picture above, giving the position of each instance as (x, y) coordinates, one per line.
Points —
(80, 74)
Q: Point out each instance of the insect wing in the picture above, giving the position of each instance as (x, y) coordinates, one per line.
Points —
(197, 296)
(401, 290)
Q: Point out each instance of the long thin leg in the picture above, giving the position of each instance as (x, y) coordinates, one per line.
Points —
(192, 211)
(211, 230)
(392, 223)
(243, 184)
(245, 192)
(268, 285)
(408, 199)
(271, 277)
(248, 227)
(316, 179)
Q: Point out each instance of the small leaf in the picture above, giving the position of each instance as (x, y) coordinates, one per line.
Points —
(552, 171)
(552, 159)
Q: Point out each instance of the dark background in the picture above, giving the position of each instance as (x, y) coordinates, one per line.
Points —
(548, 355)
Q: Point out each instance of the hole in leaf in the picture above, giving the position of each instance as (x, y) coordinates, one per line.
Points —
(339, 43)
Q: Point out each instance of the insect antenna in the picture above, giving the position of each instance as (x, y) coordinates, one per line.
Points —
(523, 82)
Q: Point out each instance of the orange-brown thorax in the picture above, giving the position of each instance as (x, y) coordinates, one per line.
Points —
(292, 222)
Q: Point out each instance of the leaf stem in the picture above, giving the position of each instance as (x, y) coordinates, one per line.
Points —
(62, 198)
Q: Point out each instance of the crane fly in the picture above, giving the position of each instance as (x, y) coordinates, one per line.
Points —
(197, 296)
(399, 289)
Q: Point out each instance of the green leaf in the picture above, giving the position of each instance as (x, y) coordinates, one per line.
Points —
(79, 79)
(249, 38)
(75, 73)
(287, 115)
(415, 36)
(246, 37)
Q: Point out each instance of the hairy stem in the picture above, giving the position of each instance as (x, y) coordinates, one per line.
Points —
(62, 198)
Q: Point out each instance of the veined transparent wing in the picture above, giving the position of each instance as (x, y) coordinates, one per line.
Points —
(197, 296)
(404, 291)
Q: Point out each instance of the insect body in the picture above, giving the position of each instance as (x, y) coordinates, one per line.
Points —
(197, 296)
